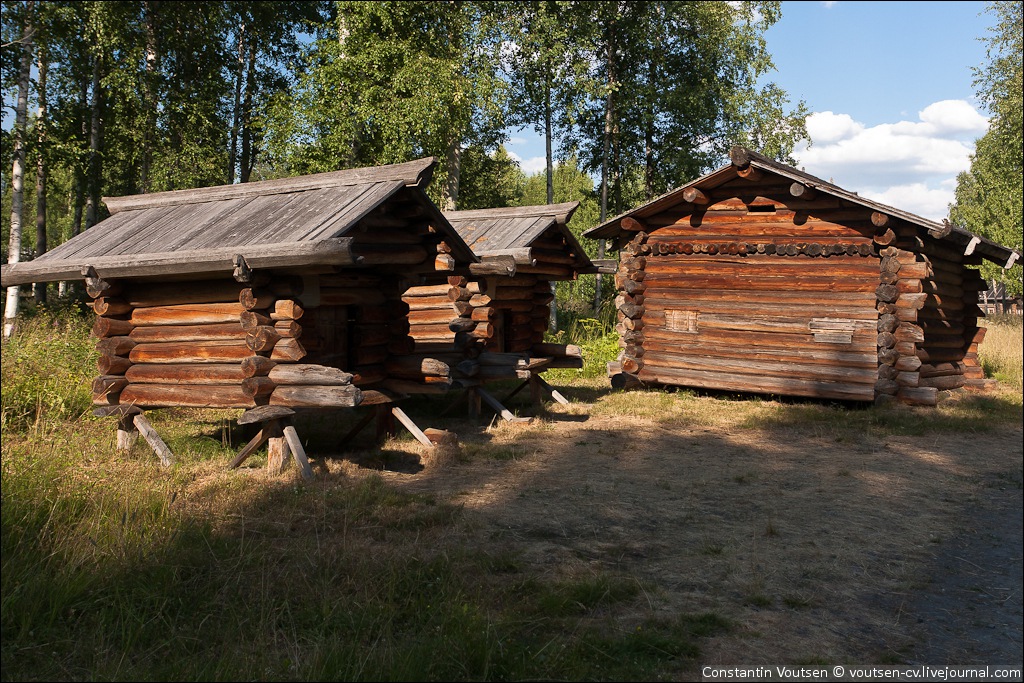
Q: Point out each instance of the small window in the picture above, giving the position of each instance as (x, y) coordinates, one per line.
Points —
(681, 321)
(761, 208)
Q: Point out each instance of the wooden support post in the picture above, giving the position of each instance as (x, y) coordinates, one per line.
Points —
(500, 409)
(261, 438)
(154, 441)
(277, 448)
(474, 403)
(299, 453)
(536, 391)
(551, 390)
(127, 434)
(411, 426)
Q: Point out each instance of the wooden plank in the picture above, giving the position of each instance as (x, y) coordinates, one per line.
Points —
(185, 395)
(298, 452)
(820, 372)
(758, 384)
(500, 409)
(154, 440)
(551, 390)
(411, 426)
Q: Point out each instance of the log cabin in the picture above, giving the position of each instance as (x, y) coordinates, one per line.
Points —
(508, 300)
(761, 278)
(268, 296)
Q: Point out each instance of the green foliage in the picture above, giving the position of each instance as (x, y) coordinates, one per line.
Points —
(390, 82)
(490, 181)
(48, 367)
(990, 196)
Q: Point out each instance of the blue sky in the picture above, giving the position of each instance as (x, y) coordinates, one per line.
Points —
(889, 84)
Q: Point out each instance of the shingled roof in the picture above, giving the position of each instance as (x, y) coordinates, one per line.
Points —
(280, 223)
(743, 158)
(511, 231)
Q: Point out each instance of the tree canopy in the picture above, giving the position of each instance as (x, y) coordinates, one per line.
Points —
(990, 196)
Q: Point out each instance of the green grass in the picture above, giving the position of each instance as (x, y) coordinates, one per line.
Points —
(114, 568)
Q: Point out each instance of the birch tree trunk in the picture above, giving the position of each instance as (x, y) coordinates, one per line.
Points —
(18, 167)
(41, 123)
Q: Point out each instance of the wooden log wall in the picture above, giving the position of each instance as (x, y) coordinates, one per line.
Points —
(521, 307)
(172, 344)
(752, 293)
(943, 294)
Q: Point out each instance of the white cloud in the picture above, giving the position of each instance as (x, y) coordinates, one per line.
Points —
(515, 141)
(830, 3)
(528, 166)
(911, 165)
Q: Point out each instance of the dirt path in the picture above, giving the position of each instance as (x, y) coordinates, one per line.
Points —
(819, 544)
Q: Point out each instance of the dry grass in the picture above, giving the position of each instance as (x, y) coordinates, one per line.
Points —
(626, 536)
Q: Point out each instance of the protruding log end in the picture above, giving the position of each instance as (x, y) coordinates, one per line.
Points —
(801, 191)
(740, 156)
(695, 196)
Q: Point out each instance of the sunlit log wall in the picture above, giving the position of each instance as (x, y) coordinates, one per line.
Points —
(763, 288)
(321, 338)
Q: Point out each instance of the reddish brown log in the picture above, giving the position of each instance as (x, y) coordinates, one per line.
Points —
(115, 346)
(256, 366)
(262, 339)
(257, 387)
(178, 293)
(183, 395)
(108, 385)
(185, 373)
(287, 350)
(111, 327)
(252, 299)
(112, 365)
(287, 309)
(110, 306)
(180, 333)
(191, 352)
(187, 314)
(250, 320)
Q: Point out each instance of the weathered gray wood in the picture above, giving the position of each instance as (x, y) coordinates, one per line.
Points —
(123, 410)
(500, 409)
(551, 390)
(333, 251)
(264, 414)
(298, 452)
(154, 440)
(316, 396)
(411, 426)
(295, 373)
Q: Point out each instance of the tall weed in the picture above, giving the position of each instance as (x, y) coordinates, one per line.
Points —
(47, 369)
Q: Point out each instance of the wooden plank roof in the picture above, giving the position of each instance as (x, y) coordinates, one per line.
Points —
(513, 230)
(744, 158)
(202, 230)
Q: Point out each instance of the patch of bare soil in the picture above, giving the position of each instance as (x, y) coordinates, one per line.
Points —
(820, 545)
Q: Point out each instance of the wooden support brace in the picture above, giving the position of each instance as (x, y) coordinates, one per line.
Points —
(359, 426)
(298, 452)
(500, 409)
(277, 448)
(514, 392)
(411, 426)
(261, 438)
(154, 440)
(551, 390)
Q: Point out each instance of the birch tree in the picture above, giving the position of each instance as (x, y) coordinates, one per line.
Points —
(18, 166)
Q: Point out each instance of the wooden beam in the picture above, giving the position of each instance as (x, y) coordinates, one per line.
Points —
(261, 438)
(801, 191)
(695, 196)
(154, 441)
(632, 224)
(750, 173)
(298, 452)
(500, 409)
(551, 390)
(411, 426)
(881, 220)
